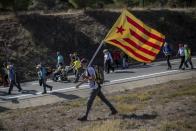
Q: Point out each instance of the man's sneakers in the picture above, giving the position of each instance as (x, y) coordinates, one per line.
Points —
(83, 118)
(20, 90)
(44, 92)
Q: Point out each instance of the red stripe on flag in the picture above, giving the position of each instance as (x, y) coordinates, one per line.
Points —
(144, 30)
(139, 47)
(144, 41)
(131, 50)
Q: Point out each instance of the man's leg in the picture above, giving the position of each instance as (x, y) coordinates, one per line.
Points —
(103, 98)
(182, 62)
(17, 84)
(11, 87)
(40, 82)
(91, 99)
(185, 63)
(168, 62)
(110, 66)
(46, 85)
(190, 61)
(77, 76)
(107, 66)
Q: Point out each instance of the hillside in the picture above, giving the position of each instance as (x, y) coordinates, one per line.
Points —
(31, 37)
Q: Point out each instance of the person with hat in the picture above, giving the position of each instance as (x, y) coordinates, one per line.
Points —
(90, 76)
(42, 78)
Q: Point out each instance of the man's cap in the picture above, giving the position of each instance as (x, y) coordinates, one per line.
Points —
(105, 50)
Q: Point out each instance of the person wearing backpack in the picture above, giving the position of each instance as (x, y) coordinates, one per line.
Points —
(42, 78)
(90, 76)
(167, 52)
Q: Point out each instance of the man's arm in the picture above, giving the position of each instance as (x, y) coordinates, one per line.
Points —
(85, 79)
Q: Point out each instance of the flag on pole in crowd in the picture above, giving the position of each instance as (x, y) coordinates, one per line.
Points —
(136, 39)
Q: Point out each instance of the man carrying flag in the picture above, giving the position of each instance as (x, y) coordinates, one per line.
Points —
(136, 39)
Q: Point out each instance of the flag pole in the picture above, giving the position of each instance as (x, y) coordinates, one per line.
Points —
(102, 42)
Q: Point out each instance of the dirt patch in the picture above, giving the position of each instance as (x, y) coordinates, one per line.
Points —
(169, 106)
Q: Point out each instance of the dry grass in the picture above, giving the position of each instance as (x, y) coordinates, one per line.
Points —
(184, 91)
(126, 108)
(173, 102)
(178, 125)
(109, 125)
(144, 96)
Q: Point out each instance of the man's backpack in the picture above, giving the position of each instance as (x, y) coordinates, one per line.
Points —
(99, 74)
(48, 71)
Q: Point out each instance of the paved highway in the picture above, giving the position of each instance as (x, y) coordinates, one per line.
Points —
(135, 72)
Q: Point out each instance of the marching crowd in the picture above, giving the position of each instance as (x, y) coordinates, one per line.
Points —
(111, 59)
(183, 51)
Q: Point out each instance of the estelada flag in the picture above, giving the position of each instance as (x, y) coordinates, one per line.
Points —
(136, 39)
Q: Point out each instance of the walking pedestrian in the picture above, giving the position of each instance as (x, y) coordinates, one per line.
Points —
(60, 59)
(90, 76)
(116, 57)
(167, 52)
(108, 60)
(78, 69)
(12, 79)
(42, 78)
(4, 73)
(182, 56)
(125, 61)
(187, 52)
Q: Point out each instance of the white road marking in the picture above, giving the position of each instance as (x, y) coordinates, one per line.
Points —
(142, 76)
(86, 86)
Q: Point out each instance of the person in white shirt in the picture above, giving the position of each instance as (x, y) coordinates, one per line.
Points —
(108, 60)
(90, 76)
(181, 53)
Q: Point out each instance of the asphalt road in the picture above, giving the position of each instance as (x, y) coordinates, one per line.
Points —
(135, 72)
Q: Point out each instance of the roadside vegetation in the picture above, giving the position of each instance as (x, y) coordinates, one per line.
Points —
(8, 5)
(164, 107)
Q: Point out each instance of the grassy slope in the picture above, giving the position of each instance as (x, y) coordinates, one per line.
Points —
(169, 106)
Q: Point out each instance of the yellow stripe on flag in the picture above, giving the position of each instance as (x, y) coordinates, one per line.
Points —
(135, 38)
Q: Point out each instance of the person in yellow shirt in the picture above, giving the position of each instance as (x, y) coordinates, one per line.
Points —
(78, 69)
